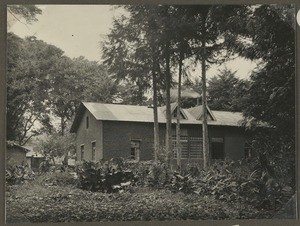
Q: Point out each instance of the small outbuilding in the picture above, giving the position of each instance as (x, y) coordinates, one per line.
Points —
(15, 154)
(34, 159)
(104, 131)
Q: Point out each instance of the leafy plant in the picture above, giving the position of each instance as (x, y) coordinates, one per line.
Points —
(109, 176)
(18, 174)
(159, 175)
(185, 184)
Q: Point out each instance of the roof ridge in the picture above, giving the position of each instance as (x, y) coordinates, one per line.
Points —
(88, 102)
(227, 111)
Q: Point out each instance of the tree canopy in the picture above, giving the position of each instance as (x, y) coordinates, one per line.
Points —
(226, 92)
(272, 90)
(28, 12)
(43, 84)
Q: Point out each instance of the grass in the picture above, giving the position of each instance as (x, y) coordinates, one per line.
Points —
(37, 203)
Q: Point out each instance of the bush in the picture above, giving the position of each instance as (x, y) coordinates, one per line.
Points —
(228, 181)
(241, 182)
(44, 166)
(110, 176)
(159, 175)
(18, 174)
(186, 184)
(141, 171)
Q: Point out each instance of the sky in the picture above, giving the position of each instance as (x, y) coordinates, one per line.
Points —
(79, 29)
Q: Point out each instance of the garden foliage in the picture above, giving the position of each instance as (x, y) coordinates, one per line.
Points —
(244, 188)
(109, 176)
(18, 174)
(228, 181)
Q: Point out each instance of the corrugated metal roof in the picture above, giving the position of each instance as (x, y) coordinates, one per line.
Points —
(119, 112)
(133, 113)
(226, 118)
(190, 119)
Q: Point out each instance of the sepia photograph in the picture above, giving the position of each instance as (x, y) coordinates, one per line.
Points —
(150, 112)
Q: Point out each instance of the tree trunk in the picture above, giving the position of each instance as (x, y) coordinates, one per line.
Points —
(154, 85)
(168, 106)
(178, 144)
(156, 126)
(206, 154)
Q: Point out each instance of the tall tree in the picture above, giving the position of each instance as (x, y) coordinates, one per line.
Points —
(167, 46)
(226, 92)
(211, 44)
(42, 84)
(74, 81)
(153, 30)
(272, 91)
(61, 94)
(125, 53)
(268, 36)
(131, 35)
(27, 75)
(136, 57)
(184, 27)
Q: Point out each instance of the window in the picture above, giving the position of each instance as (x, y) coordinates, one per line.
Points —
(184, 147)
(196, 147)
(82, 152)
(217, 148)
(87, 122)
(135, 150)
(93, 150)
(191, 147)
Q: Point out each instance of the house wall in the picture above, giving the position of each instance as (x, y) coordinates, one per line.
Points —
(113, 138)
(234, 140)
(15, 156)
(85, 136)
(235, 143)
(117, 137)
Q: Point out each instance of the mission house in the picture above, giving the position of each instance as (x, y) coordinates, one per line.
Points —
(104, 131)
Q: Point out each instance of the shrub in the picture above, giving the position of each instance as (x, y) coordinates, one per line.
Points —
(186, 184)
(150, 174)
(141, 171)
(110, 176)
(192, 169)
(159, 175)
(18, 174)
(44, 166)
(228, 181)
(241, 182)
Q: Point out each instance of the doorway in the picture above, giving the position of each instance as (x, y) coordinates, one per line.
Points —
(217, 148)
(135, 150)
